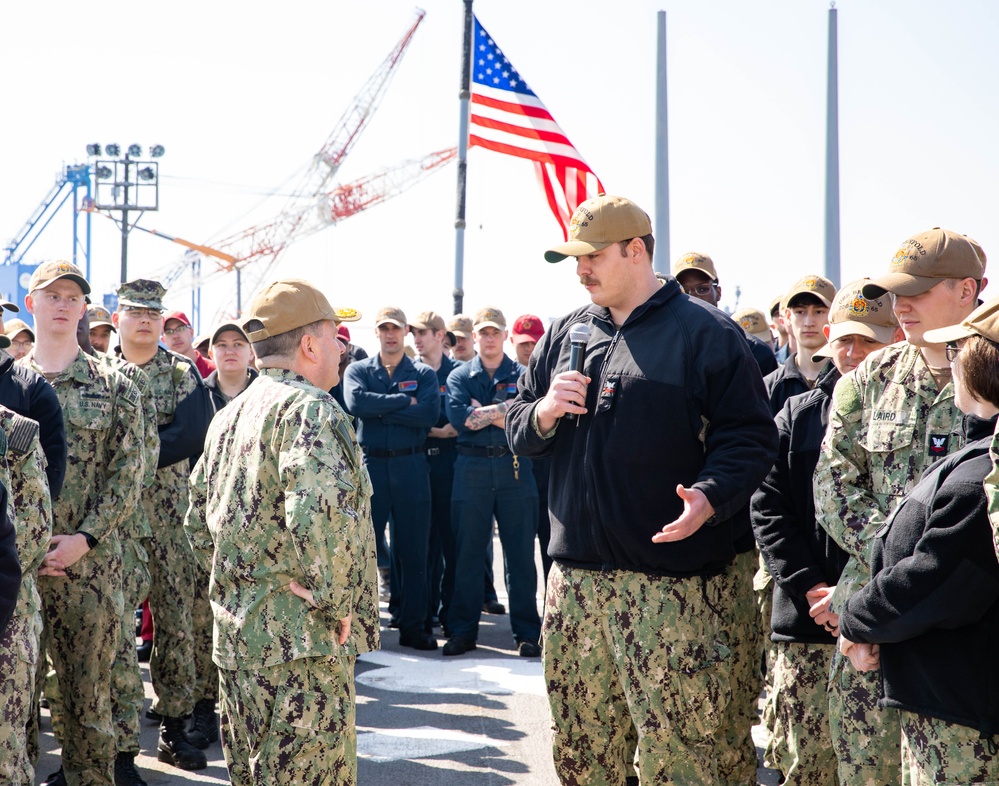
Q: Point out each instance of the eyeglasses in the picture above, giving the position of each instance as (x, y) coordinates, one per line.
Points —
(175, 331)
(701, 290)
(951, 349)
(139, 313)
(22, 344)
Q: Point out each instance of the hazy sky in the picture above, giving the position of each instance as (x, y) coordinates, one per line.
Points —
(243, 94)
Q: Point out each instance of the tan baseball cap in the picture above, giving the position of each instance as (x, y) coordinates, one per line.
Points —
(289, 304)
(852, 314)
(774, 308)
(753, 321)
(489, 317)
(460, 325)
(694, 261)
(983, 321)
(820, 287)
(926, 259)
(391, 315)
(428, 320)
(600, 222)
(100, 316)
(15, 326)
(47, 272)
(980, 251)
(431, 320)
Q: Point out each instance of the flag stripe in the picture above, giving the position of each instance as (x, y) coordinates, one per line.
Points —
(507, 106)
(544, 156)
(528, 133)
(509, 118)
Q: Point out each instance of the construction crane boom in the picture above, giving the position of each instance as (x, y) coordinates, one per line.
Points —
(354, 120)
(272, 238)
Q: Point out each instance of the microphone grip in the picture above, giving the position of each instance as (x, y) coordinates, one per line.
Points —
(577, 354)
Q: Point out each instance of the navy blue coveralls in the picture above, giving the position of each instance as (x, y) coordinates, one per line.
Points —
(441, 453)
(490, 481)
(393, 416)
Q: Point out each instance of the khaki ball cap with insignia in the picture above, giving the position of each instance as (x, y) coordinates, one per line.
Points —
(601, 222)
(926, 259)
(47, 272)
(289, 304)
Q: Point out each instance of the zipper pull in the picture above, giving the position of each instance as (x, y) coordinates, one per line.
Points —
(516, 467)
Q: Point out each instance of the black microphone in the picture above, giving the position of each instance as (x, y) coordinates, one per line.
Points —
(579, 334)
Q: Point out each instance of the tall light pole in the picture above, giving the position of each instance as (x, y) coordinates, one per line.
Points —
(124, 184)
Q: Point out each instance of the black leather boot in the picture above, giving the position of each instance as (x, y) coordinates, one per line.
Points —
(125, 773)
(174, 748)
(204, 725)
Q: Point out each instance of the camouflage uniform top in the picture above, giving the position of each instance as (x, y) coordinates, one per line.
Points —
(992, 489)
(23, 472)
(887, 423)
(104, 431)
(138, 525)
(279, 495)
(173, 379)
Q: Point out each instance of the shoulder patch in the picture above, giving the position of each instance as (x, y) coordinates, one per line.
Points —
(846, 396)
(20, 433)
(130, 393)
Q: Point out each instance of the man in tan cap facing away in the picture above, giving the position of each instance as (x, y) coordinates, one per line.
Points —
(286, 534)
(669, 436)
(890, 419)
(802, 557)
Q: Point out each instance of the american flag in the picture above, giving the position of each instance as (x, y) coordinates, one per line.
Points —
(509, 118)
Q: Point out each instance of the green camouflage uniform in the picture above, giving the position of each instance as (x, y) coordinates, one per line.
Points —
(22, 471)
(887, 423)
(127, 691)
(992, 491)
(663, 657)
(736, 749)
(104, 432)
(798, 706)
(171, 566)
(937, 752)
(294, 506)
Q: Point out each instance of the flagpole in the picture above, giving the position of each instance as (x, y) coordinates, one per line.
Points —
(459, 221)
(660, 260)
(832, 155)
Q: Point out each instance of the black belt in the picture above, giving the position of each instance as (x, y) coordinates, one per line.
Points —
(375, 453)
(436, 451)
(492, 451)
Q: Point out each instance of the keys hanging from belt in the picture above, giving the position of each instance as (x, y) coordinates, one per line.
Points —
(516, 467)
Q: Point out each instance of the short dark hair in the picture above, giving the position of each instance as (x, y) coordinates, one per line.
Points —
(979, 368)
(650, 244)
(806, 299)
(282, 345)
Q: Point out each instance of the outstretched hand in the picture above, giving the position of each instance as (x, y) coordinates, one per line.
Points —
(696, 510)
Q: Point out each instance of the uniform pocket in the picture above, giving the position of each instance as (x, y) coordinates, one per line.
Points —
(889, 446)
(703, 689)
